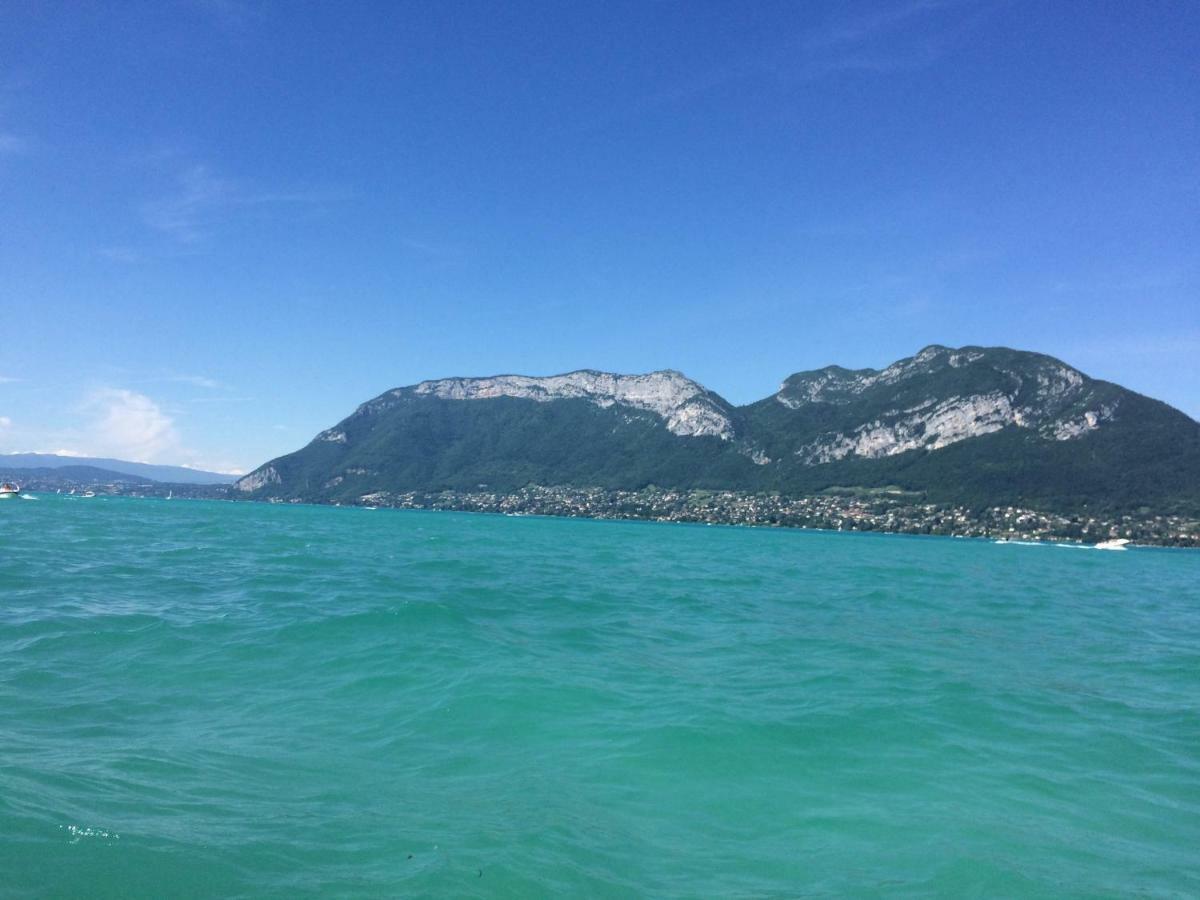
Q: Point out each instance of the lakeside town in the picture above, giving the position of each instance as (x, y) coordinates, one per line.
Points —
(864, 510)
(881, 511)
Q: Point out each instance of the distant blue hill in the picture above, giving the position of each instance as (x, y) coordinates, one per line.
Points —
(68, 475)
(172, 474)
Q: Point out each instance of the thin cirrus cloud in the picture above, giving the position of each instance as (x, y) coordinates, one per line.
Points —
(199, 200)
(884, 40)
(849, 31)
(232, 15)
(121, 254)
(12, 144)
(200, 381)
(902, 36)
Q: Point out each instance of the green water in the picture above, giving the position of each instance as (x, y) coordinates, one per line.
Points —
(214, 699)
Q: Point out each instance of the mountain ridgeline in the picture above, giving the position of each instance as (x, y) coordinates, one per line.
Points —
(119, 470)
(974, 426)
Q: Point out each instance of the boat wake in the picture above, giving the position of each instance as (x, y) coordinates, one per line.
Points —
(1120, 544)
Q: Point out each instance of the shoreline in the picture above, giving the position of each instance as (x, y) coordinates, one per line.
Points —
(879, 513)
(885, 514)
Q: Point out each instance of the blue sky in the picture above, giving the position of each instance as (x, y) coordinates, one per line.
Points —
(224, 224)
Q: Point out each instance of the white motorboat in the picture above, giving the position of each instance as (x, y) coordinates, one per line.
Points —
(1114, 544)
(9, 490)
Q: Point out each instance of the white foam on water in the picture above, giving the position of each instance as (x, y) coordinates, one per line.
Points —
(79, 832)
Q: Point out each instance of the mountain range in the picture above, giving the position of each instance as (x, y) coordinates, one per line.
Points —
(142, 472)
(973, 425)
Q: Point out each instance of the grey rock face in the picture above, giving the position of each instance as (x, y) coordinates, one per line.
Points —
(260, 477)
(685, 407)
(1057, 402)
(936, 425)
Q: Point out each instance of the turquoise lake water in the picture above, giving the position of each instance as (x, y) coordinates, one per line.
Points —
(218, 699)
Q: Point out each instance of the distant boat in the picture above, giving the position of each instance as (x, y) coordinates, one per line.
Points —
(8, 490)
(1114, 544)
(89, 494)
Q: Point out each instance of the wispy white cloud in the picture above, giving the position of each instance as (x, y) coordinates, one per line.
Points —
(897, 37)
(198, 199)
(429, 248)
(232, 15)
(128, 375)
(1182, 344)
(200, 381)
(849, 30)
(223, 398)
(901, 36)
(7, 380)
(37, 448)
(185, 211)
(120, 254)
(109, 421)
(11, 144)
(1135, 281)
(129, 425)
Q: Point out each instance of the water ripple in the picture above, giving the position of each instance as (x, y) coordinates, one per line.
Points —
(202, 699)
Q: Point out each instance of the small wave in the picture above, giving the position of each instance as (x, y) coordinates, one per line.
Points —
(79, 832)
(542, 686)
(28, 497)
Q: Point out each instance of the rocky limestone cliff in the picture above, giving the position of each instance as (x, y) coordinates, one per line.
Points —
(1023, 390)
(263, 476)
(684, 406)
(833, 384)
